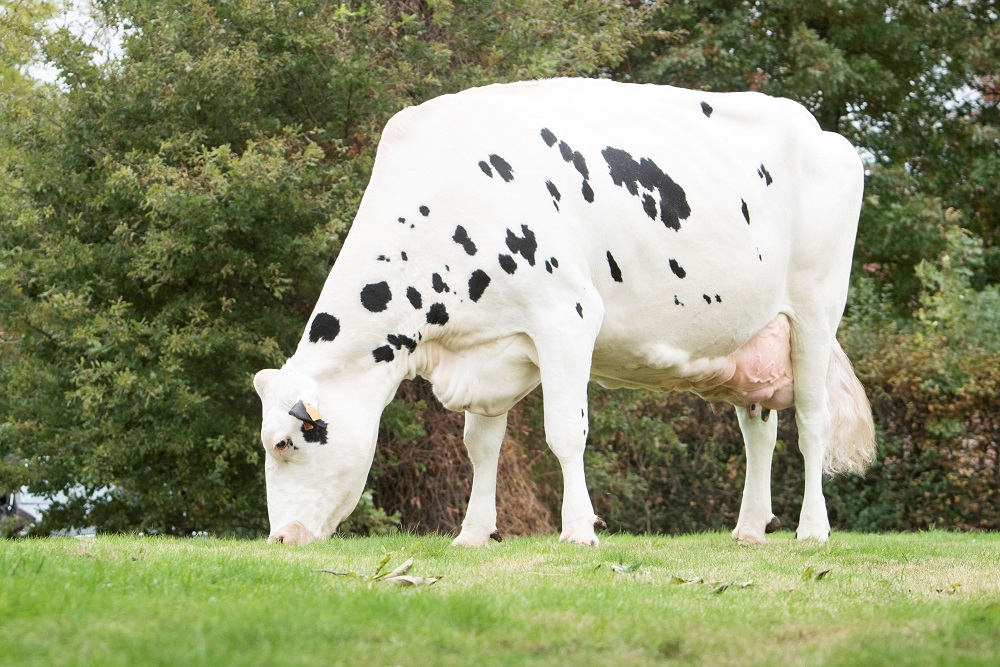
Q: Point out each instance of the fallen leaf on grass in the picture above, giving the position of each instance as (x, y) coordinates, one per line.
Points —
(397, 577)
(950, 590)
(398, 572)
(411, 581)
(717, 586)
(810, 573)
(621, 568)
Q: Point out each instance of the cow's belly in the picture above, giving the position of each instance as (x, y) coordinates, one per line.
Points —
(757, 372)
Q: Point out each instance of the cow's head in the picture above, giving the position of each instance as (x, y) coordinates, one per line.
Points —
(319, 445)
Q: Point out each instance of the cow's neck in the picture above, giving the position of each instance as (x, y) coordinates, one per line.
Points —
(373, 351)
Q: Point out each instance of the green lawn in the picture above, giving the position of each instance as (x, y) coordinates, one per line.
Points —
(927, 599)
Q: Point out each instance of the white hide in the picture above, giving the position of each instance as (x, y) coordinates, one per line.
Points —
(560, 231)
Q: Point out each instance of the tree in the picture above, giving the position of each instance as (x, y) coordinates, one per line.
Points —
(911, 83)
(176, 210)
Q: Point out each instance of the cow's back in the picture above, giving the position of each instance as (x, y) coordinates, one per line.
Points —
(682, 210)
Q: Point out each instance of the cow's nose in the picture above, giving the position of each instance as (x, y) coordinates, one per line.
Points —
(292, 533)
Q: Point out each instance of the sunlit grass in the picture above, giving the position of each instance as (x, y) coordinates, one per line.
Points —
(926, 599)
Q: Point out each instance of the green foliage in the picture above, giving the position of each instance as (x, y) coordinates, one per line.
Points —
(912, 84)
(170, 214)
(653, 469)
(933, 386)
(169, 211)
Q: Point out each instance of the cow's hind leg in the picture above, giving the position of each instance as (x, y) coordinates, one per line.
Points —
(810, 360)
(483, 438)
(759, 437)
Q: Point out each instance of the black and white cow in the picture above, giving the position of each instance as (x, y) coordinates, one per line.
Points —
(563, 231)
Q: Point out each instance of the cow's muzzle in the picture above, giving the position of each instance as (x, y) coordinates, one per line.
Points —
(292, 533)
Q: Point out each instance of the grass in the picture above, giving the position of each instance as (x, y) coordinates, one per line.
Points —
(924, 599)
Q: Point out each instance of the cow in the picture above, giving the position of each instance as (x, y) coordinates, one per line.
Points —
(567, 230)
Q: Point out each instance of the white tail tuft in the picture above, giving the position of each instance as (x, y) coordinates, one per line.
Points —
(852, 430)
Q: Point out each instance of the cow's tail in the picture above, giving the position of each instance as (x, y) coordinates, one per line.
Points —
(852, 432)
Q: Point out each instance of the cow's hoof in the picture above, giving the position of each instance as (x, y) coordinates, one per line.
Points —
(819, 535)
(752, 532)
(813, 530)
(475, 537)
(747, 535)
(584, 537)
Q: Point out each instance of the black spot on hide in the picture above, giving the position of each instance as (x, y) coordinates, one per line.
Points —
(576, 157)
(376, 296)
(383, 258)
(588, 192)
(548, 266)
(649, 205)
(403, 256)
(401, 220)
(707, 298)
(628, 173)
(677, 302)
(718, 299)
(706, 109)
(746, 211)
(579, 310)
(324, 327)
(548, 137)
(503, 168)
(399, 341)
(555, 262)
(438, 284)
(415, 298)
(616, 273)
(525, 245)
(677, 269)
(554, 191)
(424, 211)
(507, 263)
(437, 314)
(383, 353)
(486, 168)
(315, 434)
(565, 151)
(478, 282)
(461, 237)
(763, 173)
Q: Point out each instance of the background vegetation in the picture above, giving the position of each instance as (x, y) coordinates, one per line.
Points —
(170, 206)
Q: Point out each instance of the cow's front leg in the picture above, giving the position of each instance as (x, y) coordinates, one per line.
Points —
(483, 438)
(564, 386)
(755, 511)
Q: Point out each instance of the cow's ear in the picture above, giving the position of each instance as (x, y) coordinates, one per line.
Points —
(305, 413)
(263, 378)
